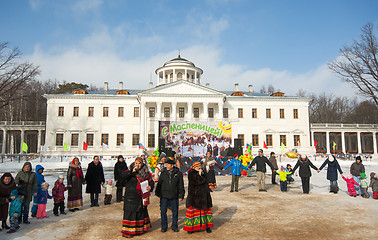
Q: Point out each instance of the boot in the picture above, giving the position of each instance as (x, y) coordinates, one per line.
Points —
(4, 225)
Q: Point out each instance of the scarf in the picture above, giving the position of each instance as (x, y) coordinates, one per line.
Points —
(79, 172)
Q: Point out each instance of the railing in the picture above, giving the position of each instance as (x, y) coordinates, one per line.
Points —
(343, 125)
(22, 123)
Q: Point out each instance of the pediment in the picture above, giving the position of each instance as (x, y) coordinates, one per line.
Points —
(182, 88)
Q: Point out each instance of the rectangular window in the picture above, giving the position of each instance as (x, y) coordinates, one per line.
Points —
(151, 112)
(196, 112)
(59, 139)
(295, 113)
(225, 112)
(120, 111)
(166, 112)
(151, 140)
(297, 140)
(136, 111)
(268, 113)
(254, 112)
(90, 111)
(61, 112)
(283, 140)
(119, 139)
(105, 112)
(181, 112)
(75, 139)
(241, 136)
(269, 140)
(240, 112)
(255, 139)
(135, 139)
(76, 111)
(90, 137)
(211, 112)
(282, 114)
(105, 138)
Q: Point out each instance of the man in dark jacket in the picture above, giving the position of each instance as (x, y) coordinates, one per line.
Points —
(261, 162)
(170, 189)
(119, 168)
(356, 169)
(273, 161)
(27, 180)
(94, 178)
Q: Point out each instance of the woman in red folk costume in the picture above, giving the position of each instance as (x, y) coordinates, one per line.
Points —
(75, 180)
(135, 215)
(198, 203)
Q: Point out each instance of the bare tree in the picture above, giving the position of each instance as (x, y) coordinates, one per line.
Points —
(13, 75)
(271, 89)
(358, 64)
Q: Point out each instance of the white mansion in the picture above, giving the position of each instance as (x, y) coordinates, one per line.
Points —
(115, 121)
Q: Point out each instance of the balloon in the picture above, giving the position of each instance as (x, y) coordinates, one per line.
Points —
(291, 154)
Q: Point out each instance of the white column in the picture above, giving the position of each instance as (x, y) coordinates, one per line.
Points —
(190, 110)
(343, 142)
(220, 111)
(174, 75)
(142, 122)
(195, 77)
(4, 141)
(205, 111)
(158, 110)
(199, 79)
(39, 141)
(313, 140)
(157, 78)
(186, 72)
(174, 114)
(327, 143)
(359, 142)
(164, 78)
(375, 142)
(22, 139)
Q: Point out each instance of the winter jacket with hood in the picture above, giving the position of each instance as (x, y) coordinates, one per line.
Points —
(350, 184)
(58, 191)
(260, 162)
(40, 177)
(119, 168)
(357, 168)
(364, 183)
(15, 206)
(171, 184)
(28, 180)
(5, 190)
(304, 167)
(333, 167)
(235, 167)
(43, 195)
(374, 184)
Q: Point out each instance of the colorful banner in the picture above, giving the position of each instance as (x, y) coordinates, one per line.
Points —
(194, 139)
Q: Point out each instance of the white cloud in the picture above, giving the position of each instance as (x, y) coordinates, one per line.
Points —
(35, 4)
(84, 6)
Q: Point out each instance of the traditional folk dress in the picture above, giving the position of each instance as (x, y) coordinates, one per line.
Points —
(209, 164)
(198, 203)
(75, 180)
(135, 215)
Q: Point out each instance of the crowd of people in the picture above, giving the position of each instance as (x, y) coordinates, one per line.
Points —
(135, 183)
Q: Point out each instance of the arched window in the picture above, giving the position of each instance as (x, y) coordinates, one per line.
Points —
(179, 76)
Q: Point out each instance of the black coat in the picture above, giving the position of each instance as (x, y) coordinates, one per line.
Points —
(304, 167)
(332, 169)
(357, 168)
(198, 191)
(171, 184)
(261, 163)
(94, 177)
(119, 168)
(5, 191)
(132, 200)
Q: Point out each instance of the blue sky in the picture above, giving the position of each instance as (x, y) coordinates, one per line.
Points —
(284, 43)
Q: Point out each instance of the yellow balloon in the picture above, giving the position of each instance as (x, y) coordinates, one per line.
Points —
(291, 154)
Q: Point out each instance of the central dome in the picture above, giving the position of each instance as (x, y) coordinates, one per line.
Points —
(179, 60)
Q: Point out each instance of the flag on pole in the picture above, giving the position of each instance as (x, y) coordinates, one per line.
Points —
(122, 148)
(142, 147)
(45, 148)
(24, 147)
(104, 147)
(282, 147)
(65, 147)
(265, 146)
(85, 146)
(333, 146)
(316, 144)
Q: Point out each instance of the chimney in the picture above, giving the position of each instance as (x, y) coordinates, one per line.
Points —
(250, 88)
(151, 84)
(120, 86)
(207, 84)
(106, 87)
(236, 87)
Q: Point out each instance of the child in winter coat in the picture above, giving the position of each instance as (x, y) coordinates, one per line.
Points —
(58, 195)
(17, 198)
(374, 184)
(290, 178)
(350, 184)
(235, 164)
(42, 196)
(283, 178)
(108, 192)
(364, 186)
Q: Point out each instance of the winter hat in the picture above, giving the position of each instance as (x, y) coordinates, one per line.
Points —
(363, 175)
(44, 184)
(196, 164)
(119, 157)
(372, 174)
(260, 150)
(110, 181)
(350, 176)
(235, 155)
(332, 159)
(358, 158)
(61, 177)
(170, 161)
(282, 168)
(138, 159)
(303, 156)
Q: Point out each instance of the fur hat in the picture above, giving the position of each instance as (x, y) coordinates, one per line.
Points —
(358, 158)
(363, 175)
(260, 150)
